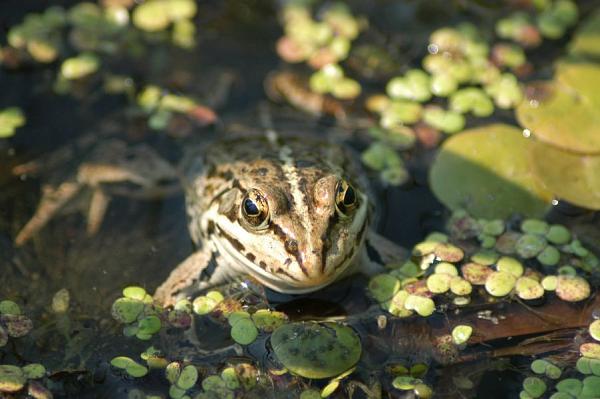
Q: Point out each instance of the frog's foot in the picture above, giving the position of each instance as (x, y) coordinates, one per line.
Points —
(113, 168)
(53, 199)
(386, 250)
(187, 274)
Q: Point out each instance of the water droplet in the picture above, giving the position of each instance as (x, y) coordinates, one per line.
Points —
(526, 133)
(554, 202)
(432, 49)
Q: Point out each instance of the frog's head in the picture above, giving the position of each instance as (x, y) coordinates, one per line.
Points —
(295, 230)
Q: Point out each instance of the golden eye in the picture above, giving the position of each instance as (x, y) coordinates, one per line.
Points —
(346, 199)
(255, 209)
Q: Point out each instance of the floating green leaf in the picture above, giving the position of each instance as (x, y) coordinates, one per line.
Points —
(564, 112)
(316, 350)
(487, 171)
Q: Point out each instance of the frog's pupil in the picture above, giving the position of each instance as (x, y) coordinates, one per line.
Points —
(250, 207)
(350, 196)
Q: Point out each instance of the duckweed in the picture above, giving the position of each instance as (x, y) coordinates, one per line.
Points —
(130, 366)
(528, 288)
(530, 245)
(414, 85)
(460, 286)
(500, 283)
(187, 378)
(10, 119)
(439, 283)
(594, 330)
(485, 257)
(10, 308)
(511, 265)
(461, 334)
(383, 287)
(588, 365)
(572, 288)
(475, 273)
(12, 378)
(534, 387)
(243, 331)
(446, 121)
(558, 234)
(80, 66)
(33, 371)
(590, 350)
(422, 305)
(267, 320)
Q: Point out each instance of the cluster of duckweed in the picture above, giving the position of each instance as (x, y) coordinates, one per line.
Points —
(527, 260)
(15, 379)
(551, 21)
(159, 106)
(409, 379)
(457, 57)
(94, 32)
(331, 80)
(142, 318)
(322, 44)
(101, 28)
(383, 158)
(579, 382)
(159, 15)
(328, 389)
(129, 366)
(13, 323)
(10, 119)
(245, 327)
(229, 383)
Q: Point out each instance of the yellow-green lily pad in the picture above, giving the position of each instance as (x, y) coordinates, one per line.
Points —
(564, 112)
(569, 176)
(487, 171)
(316, 350)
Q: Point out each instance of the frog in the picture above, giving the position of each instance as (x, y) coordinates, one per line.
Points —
(294, 212)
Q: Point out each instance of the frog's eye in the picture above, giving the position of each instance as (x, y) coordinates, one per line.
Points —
(346, 199)
(255, 209)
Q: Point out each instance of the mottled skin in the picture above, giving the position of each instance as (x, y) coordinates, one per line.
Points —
(315, 223)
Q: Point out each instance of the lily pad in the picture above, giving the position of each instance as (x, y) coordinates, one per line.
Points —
(563, 113)
(487, 171)
(569, 176)
(316, 350)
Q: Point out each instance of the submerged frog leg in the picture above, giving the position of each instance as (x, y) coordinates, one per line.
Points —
(386, 250)
(53, 199)
(98, 206)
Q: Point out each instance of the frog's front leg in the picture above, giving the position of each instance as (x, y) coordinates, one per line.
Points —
(198, 271)
(385, 252)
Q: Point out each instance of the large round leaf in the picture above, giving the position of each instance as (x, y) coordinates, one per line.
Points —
(487, 171)
(316, 350)
(564, 112)
(573, 177)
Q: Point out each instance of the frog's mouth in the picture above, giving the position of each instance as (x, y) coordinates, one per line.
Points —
(242, 265)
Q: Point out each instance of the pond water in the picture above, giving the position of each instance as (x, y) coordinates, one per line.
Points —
(137, 88)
